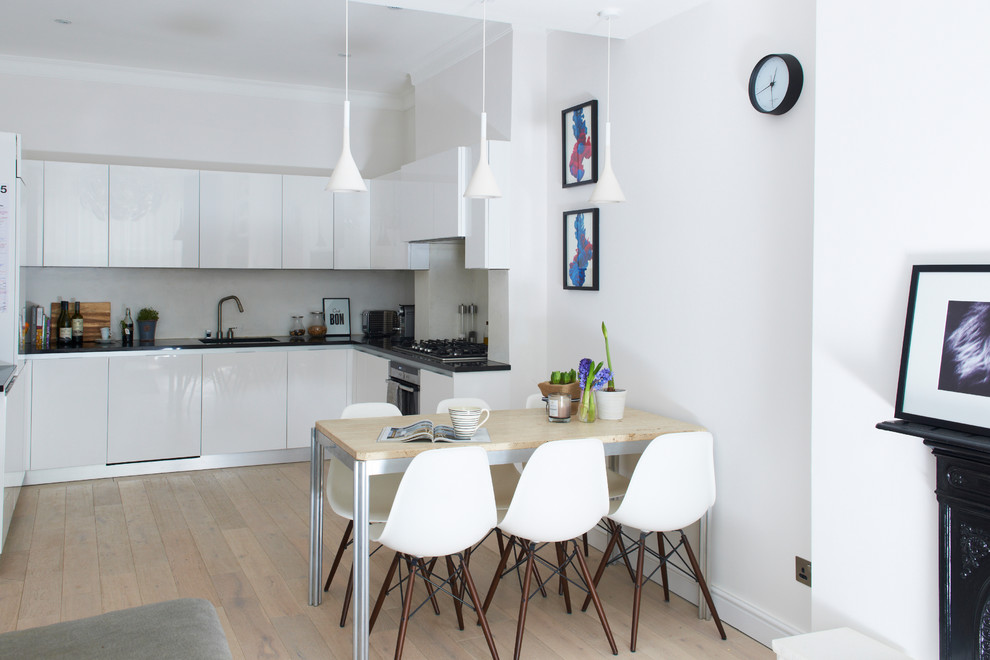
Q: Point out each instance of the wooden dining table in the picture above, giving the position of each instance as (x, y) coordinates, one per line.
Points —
(514, 435)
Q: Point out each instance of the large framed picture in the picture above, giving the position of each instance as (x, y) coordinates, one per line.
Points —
(337, 313)
(581, 250)
(945, 359)
(579, 128)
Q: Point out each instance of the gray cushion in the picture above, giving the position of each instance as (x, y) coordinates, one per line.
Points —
(187, 628)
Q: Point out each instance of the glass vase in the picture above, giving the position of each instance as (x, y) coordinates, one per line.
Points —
(586, 409)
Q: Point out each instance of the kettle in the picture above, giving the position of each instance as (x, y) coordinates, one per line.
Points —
(559, 407)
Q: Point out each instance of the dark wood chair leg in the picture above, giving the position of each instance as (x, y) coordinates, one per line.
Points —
(663, 567)
(586, 576)
(340, 553)
(384, 591)
(638, 590)
(426, 573)
(347, 598)
(498, 575)
(625, 557)
(483, 620)
(530, 551)
(406, 608)
(612, 540)
(561, 561)
(703, 585)
(452, 578)
(585, 541)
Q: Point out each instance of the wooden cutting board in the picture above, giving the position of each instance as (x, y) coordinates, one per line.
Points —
(95, 315)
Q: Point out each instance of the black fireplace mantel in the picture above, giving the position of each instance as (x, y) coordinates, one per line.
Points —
(963, 489)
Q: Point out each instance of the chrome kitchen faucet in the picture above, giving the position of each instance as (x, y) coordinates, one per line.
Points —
(240, 308)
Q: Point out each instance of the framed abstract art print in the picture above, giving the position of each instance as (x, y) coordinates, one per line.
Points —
(581, 250)
(579, 128)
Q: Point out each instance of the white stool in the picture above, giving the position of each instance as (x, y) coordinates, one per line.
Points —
(843, 643)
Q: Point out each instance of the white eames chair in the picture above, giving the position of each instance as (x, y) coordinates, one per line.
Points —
(535, 401)
(672, 486)
(426, 522)
(562, 494)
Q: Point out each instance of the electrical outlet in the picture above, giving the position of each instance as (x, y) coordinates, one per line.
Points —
(802, 571)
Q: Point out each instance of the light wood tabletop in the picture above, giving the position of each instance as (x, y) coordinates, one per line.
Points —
(508, 429)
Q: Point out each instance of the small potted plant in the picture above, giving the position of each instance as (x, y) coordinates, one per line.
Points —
(611, 401)
(147, 322)
(591, 377)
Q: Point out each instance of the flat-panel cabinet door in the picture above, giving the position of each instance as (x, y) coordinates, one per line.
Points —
(369, 373)
(68, 413)
(243, 402)
(486, 242)
(352, 229)
(317, 390)
(307, 222)
(451, 172)
(77, 214)
(31, 224)
(240, 223)
(388, 250)
(154, 217)
(433, 388)
(155, 405)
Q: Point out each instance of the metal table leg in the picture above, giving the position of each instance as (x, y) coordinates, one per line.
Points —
(361, 560)
(315, 520)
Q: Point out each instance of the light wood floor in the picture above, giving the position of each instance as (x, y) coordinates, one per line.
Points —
(239, 538)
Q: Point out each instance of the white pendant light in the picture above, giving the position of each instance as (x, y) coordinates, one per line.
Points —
(346, 177)
(483, 184)
(607, 189)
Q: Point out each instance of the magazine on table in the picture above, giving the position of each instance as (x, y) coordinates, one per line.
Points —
(426, 431)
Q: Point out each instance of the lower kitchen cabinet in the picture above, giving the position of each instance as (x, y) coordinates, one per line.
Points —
(69, 413)
(317, 390)
(244, 397)
(369, 373)
(155, 406)
(433, 388)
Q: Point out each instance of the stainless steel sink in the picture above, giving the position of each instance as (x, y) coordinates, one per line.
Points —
(239, 340)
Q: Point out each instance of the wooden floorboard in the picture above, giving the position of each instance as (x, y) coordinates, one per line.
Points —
(239, 537)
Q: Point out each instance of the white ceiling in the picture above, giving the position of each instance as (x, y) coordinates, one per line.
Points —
(294, 42)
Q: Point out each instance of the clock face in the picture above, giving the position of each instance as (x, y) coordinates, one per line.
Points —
(775, 84)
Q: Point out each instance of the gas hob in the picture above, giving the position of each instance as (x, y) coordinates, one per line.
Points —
(446, 350)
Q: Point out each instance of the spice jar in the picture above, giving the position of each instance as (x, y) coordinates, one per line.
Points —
(317, 325)
(296, 329)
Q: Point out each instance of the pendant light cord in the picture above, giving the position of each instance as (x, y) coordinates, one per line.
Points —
(347, 50)
(484, 56)
(608, 78)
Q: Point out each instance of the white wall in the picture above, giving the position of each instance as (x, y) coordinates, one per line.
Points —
(443, 287)
(187, 298)
(902, 164)
(706, 272)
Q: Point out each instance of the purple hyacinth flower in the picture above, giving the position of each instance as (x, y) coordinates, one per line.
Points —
(601, 378)
(583, 368)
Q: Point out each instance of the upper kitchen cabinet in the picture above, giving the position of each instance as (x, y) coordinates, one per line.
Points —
(240, 220)
(352, 230)
(307, 222)
(154, 217)
(32, 201)
(389, 251)
(76, 214)
(431, 196)
(486, 242)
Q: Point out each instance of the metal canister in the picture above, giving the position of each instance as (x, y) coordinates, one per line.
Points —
(559, 408)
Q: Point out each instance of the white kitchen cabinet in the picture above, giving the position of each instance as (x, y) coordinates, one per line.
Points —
(432, 203)
(388, 249)
(15, 445)
(31, 225)
(352, 229)
(317, 390)
(486, 243)
(433, 388)
(307, 222)
(68, 412)
(244, 396)
(154, 217)
(368, 376)
(240, 223)
(77, 214)
(155, 405)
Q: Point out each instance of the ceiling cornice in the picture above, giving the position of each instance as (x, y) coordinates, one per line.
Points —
(457, 50)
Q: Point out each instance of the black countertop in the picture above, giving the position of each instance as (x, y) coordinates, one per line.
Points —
(380, 347)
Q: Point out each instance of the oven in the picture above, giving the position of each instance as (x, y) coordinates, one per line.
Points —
(403, 387)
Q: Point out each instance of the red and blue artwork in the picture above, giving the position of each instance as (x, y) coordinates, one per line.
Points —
(582, 145)
(584, 252)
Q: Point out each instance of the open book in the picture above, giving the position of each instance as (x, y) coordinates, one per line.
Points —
(427, 431)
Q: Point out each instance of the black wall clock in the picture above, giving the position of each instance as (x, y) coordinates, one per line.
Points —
(775, 84)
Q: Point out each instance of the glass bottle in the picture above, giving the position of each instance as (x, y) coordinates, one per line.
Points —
(77, 327)
(64, 327)
(128, 334)
(296, 329)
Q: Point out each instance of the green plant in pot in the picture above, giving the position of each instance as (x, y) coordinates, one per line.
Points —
(611, 401)
(147, 322)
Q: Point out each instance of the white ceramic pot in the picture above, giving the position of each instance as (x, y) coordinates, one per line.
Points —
(611, 405)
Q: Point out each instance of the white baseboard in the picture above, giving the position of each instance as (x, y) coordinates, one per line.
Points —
(736, 612)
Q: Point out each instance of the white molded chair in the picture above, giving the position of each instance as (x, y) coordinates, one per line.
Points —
(535, 401)
(672, 486)
(426, 521)
(562, 494)
(340, 492)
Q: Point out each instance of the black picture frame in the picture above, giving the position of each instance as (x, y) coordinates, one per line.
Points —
(337, 315)
(944, 379)
(582, 149)
(580, 254)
